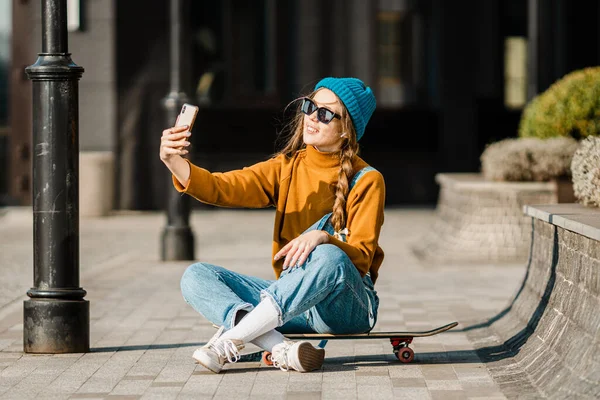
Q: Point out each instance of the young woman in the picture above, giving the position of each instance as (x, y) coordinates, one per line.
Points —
(326, 255)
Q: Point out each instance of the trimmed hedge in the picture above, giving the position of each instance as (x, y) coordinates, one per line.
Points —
(528, 159)
(586, 172)
(570, 107)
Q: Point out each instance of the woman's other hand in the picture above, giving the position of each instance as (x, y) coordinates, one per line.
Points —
(297, 251)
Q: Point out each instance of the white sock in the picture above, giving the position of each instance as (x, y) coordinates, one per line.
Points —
(268, 340)
(262, 319)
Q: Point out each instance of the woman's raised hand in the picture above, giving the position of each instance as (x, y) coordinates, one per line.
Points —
(173, 145)
(174, 142)
(297, 251)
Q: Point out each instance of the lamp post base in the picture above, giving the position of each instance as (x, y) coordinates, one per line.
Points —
(52, 326)
(177, 243)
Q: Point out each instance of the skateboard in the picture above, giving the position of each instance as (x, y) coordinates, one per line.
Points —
(400, 341)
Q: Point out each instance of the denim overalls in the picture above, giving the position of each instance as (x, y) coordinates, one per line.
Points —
(326, 294)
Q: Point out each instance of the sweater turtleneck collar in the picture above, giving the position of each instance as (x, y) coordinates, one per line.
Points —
(318, 159)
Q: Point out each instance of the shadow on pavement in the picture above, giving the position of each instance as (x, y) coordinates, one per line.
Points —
(144, 347)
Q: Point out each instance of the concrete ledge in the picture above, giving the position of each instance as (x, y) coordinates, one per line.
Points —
(479, 221)
(573, 217)
(549, 334)
(472, 181)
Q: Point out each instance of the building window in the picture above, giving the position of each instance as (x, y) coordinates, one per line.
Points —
(515, 72)
(400, 53)
(388, 58)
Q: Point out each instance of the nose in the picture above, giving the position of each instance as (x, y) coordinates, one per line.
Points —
(313, 116)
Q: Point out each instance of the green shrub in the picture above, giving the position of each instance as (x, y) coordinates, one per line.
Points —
(570, 107)
(586, 172)
(528, 159)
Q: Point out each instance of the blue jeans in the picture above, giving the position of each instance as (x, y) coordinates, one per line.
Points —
(325, 295)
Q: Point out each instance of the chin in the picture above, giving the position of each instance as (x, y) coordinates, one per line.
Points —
(309, 139)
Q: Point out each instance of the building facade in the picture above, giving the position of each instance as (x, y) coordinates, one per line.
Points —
(450, 77)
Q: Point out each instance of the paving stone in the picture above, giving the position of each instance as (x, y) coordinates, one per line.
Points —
(303, 395)
(411, 394)
(131, 387)
(199, 388)
(268, 396)
(406, 371)
(437, 372)
(224, 392)
(409, 383)
(481, 389)
(443, 385)
(143, 333)
(268, 389)
(88, 396)
(375, 392)
(52, 396)
(328, 394)
(447, 394)
(303, 387)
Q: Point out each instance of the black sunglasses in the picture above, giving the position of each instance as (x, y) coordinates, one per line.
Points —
(323, 114)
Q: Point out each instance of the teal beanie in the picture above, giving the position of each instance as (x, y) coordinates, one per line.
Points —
(358, 99)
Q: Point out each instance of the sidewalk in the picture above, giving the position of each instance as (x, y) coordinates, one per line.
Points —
(143, 333)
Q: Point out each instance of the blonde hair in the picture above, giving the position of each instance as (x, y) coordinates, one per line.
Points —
(348, 150)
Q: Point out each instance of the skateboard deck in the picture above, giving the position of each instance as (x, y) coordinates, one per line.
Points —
(400, 341)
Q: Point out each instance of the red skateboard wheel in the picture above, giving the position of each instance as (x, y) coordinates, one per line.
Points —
(266, 358)
(405, 354)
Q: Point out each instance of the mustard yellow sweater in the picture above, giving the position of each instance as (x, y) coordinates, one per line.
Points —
(302, 190)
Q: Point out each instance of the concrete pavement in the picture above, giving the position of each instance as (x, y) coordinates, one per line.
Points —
(143, 333)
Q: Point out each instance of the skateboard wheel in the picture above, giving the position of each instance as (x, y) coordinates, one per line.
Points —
(266, 358)
(405, 354)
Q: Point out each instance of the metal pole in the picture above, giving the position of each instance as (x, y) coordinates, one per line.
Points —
(532, 48)
(56, 317)
(177, 237)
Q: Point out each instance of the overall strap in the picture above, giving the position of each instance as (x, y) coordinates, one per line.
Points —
(323, 223)
(359, 175)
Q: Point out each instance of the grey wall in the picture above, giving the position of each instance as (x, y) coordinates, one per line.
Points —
(92, 48)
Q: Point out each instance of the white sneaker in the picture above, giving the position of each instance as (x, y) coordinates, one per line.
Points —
(300, 356)
(214, 354)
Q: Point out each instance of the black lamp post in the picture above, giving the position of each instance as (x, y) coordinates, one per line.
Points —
(56, 317)
(177, 237)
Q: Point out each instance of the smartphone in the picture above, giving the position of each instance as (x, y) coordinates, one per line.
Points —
(187, 116)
